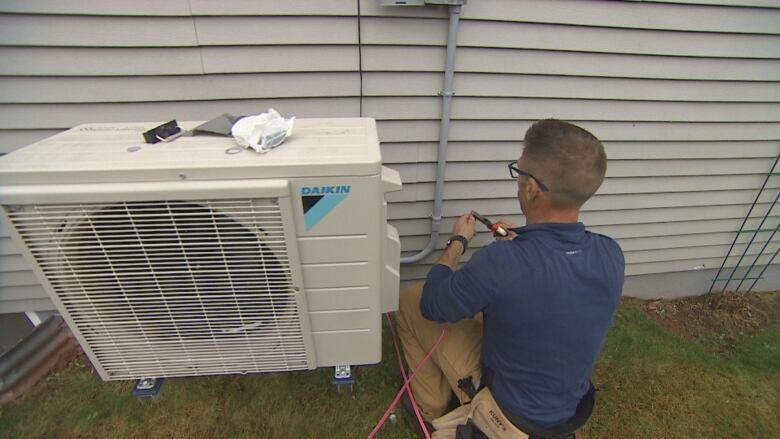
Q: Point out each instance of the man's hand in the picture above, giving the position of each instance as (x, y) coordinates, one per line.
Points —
(464, 226)
(506, 225)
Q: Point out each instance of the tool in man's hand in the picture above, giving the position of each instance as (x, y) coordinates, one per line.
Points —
(495, 228)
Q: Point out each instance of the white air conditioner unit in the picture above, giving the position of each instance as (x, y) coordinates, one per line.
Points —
(185, 258)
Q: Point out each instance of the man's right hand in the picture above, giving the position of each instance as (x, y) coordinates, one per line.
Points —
(506, 225)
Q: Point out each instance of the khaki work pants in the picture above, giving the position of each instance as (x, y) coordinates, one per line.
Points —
(456, 357)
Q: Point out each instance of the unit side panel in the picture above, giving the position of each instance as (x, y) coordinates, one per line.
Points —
(340, 225)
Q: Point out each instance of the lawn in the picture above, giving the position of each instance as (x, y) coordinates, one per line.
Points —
(663, 374)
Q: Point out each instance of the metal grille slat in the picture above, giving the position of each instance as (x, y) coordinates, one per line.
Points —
(172, 288)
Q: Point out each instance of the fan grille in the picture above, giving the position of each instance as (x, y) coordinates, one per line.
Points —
(172, 288)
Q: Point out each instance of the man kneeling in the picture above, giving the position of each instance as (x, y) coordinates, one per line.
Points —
(532, 309)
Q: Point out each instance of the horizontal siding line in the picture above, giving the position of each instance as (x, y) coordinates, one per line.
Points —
(463, 72)
(43, 123)
(326, 43)
(191, 88)
(581, 39)
(199, 75)
(23, 293)
(612, 186)
(27, 305)
(488, 236)
(593, 52)
(575, 75)
(519, 142)
(563, 98)
(677, 122)
(194, 46)
(511, 185)
(645, 256)
(186, 7)
(425, 203)
(515, 108)
(427, 174)
(738, 122)
(407, 153)
(611, 160)
(485, 238)
(69, 115)
(639, 210)
(515, 216)
(194, 101)
(292, 95)
(206, 15)
(553, 24)
(737, 4)
(385, 45)
(634, 269)
(539, 22)
(517, 76)
(510, 60)
(367, 68)
(571, 51)
(45, 61)
(38, 46)
(426, 130)
(475, 12)
(441, 244)
(91, 14)
(595, 26)
(399, 73)
(682, 212)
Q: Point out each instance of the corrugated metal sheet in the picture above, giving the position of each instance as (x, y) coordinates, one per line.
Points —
(685, 95)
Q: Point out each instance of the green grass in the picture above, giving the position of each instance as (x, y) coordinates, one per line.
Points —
(655, 384)
(651, 384)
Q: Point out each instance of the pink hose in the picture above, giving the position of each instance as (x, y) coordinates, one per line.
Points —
(409, 392)
(407, 380)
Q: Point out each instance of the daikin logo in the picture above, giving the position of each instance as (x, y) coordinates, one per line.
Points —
(324, 190)
(319, 201)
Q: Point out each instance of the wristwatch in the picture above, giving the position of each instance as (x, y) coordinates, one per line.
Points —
(460, 238)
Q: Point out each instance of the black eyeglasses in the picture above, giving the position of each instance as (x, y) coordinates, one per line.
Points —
(515, 172)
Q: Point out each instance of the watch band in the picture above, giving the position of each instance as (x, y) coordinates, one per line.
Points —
(462, 240)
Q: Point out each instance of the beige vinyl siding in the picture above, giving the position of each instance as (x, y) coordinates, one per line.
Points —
(67, 63)
(685, 95)
(685, 100)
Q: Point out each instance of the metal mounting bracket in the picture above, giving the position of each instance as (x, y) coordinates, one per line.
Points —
(148, 387)
(342, 375)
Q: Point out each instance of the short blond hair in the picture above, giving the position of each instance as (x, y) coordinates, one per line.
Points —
(568, 159)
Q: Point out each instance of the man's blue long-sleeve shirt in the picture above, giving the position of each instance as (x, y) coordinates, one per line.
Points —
(548, 298)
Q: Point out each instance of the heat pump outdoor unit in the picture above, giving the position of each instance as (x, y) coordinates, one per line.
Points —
(187, 258)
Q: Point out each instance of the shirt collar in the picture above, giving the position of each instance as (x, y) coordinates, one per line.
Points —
(550, 227)
(573, 232)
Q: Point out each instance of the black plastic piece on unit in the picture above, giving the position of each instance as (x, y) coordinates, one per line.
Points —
(163, 132)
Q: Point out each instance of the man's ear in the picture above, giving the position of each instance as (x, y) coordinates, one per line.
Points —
(532, 189)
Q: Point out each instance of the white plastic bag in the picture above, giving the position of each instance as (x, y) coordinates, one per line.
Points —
(262, 132)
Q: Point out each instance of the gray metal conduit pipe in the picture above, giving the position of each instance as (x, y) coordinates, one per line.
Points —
(444, 134)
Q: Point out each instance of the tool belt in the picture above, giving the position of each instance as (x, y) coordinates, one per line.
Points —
(485, 417)
(481, 418)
